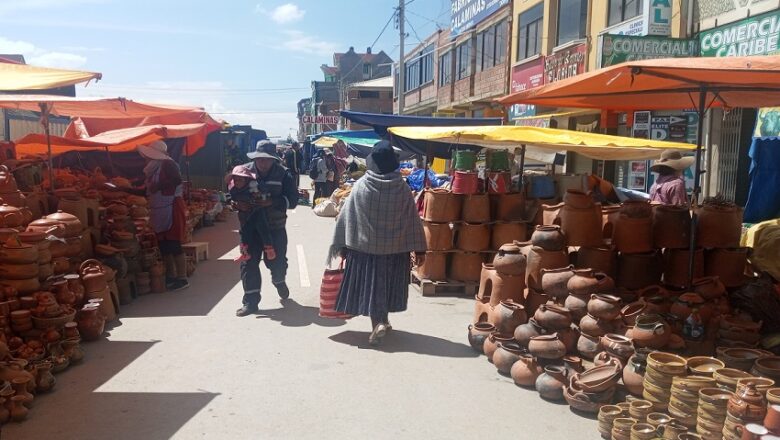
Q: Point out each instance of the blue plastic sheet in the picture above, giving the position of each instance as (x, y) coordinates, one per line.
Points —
(764, 197)
(415, 180)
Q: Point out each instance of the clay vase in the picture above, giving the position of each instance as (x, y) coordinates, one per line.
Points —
(538, 259)
(595, 326)
(441, 206)
(525, 370)
(524, 332)
(507, 232)
(73, 350)
(651, 331)
(476, 208)
(633, 235)
(549, 238)
(465, 266)
(554, 282)
(550, 383)
(45, 380)
(507, 316)
(582, 226)
(637, 271)
(473, 237)
(90, 322)
(727, 264)
(588, 346)
(600, 259)
(671, 227)
(676, 266)
(618, 346)
(547, 346)
(606, 307)
(577, 305)
(17, 410)
(587, 282)
(509, 260)
(438, 236)
(634, 372)
(719, 227)
(552, 317)
(710, 288)
(478, 333)
(491, 344)
(506, 355)
(20, 384)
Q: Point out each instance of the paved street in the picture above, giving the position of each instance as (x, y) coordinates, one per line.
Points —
(182, 365)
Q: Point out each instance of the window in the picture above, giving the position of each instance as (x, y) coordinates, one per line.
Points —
(622, 10)
(367, 68)
(572, 17)
(368, 94)
(426, 65)
(529, 32)
(445, 69)
(491, 46)
(419, 70)
(463, 60)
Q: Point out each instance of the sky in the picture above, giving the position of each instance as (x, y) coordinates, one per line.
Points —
(247, 62)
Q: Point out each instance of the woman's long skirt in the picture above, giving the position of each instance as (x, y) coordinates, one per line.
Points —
(374, 285)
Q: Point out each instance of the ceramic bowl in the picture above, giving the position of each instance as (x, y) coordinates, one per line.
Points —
(767, 367)
(704, 365)
(727, 377)
(773, 396)
(666, 362)
(739, 358)
(599, 379)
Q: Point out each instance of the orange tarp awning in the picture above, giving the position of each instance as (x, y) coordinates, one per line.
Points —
(15, 77)
(665, 84)
(90, 107)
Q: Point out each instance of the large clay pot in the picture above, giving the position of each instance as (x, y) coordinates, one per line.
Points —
(73, 226)
(509, 260)
(634, 372)
(525, 370)
(10, 216)
(609, 217)
(595, 326)
(509, 207)
(582, 227)
(505, 233)
(549, 237)
(719, 226)
(651, 331)
(605, 307)
(550, 384)
(434, 268)
(710, 288)
(600, 259)
(633, 235)
(473, 237)
(524, 332)
(727, 264)
(539, 259)
(478, 333)
(547, 346)
(14, 251)
(676, 266)
(441, 206)
(491, 344)
(552, 317)
(577, 305)
(90, 322)
(506, 355)
(578, 199)
(637, 271)
(465, 266)
(554, 282)
(476, 208)
(507, 315)
(587, 282)
(671, 227)
(438, 236)
(588, 346)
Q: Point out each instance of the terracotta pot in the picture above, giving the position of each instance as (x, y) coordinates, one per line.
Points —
(727, 264)
(506, 355)
(538, 259)
(502, 287)
(509, 207)
(524, 332)
(578, 199)
(18, 271)
(651, 331)
(491, 343)
(73, 226)
(507, 233)
(17, 410)
(473, 237)
(633, 235)
(634, 372)
(587, 282)
(14, 251)
(630, 312)
(719, 227)
(549, 237)
(550, 214)
(588, 346)
(554, 281)
(90, 322)
(671, 227)
(605, 307)
(637, 271)
(476, 208)
(93, 276)
(547, 346)
(509, 260)
(747, 403)
(656, 298)
(550, 383)
(595, 326)
(552, 317)
(478, 333)
(768, 366)
(577, 305)
(441, 206)
(10, 216)
(525, 370)
(601, 259)
(507, 316)
(609, 216)
(465, 266)
(434, 268)
(685, 303)
(582, 227)
(710, 288)
(569, 336)
(573, 365)
(617, 345)
(533, 299)
(600, 378)
(438, 236)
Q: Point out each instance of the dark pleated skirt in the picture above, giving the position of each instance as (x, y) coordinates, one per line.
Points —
(374, 285)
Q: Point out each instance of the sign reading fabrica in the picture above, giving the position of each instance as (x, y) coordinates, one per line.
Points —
(320, 119)
(468, 13)
(752, 36)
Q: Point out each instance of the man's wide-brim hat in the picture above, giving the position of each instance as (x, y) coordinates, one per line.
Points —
(265, 149)
(674, 160)
(157, 150)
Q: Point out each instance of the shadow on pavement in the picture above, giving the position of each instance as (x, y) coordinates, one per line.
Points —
(292, 314)
(399, 341)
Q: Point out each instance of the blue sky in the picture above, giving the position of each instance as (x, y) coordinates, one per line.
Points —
(223, 56)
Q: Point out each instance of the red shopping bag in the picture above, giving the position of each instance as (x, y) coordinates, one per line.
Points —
(329, 293)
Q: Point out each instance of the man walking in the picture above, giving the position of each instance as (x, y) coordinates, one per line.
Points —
(278, 194)
(293, 159)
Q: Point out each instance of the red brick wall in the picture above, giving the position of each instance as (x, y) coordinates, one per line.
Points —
(491, 82)
(462, 91)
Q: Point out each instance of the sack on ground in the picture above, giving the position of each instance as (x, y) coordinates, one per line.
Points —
(326, 209)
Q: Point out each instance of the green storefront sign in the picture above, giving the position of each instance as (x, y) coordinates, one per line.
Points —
(616, 49)
(752, 36)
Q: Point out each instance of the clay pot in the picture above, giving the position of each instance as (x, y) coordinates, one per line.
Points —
(550, 383)
(547, 346)
(90, 322)
(506, 232)
(637, 271)
(434, 268)
(20, 385)
(573, 365)
(656, 298)
(552, 317)
(441, 206)
(685, 303)
(465, 266)
(18, 271)
(491, 344)
(727, 264)
(598, 379)
(671, 227)
(633, 235)
(509, 207)
(10, 216)
(582, 227)
(709, 288)
(17, 410)
(45, 380)
(93, 276)
(507, 316)
(719, 227)
(549, 237)
(651, 331)
(549, 215)
(476, 208)
(600, 259)
(587, 282)
(473, 237)
(676, 266)
(478, 333)
(617, 345)
(524, 332)
(578, 199)
(525, 370)
(506, 355)
(768, 366)
(509, 260)
(538, 259)
(569, 337)
(502, 287)
(554, 281)
(73, 226)
(605, 307)
(588, 346)
(14, 251)
(747, 403)
(438, 236)
(595, 326)
(630, 312)
(634, 372)
(577, 305)
(533, 299)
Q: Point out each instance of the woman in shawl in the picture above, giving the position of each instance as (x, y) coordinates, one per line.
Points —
(167, 210)
(376, 231)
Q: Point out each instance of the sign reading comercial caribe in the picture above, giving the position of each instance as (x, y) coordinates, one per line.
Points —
(616, 49)
(468, 13)
(752, 36)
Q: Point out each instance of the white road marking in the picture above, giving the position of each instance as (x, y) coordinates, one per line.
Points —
(231, 254)
(302, 268)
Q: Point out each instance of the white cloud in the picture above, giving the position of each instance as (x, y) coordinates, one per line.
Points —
(83, 49)
(287, 13)
(42, 57)
(297, 41)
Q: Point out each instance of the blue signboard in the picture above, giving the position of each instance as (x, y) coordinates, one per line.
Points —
(468, 13)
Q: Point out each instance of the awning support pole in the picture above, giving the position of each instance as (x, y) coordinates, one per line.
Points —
(521, 180)
(110, 162)
(694, 202)
(46, 129)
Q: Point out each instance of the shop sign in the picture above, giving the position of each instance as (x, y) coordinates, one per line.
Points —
(712, 13)
(540, 122)
(641, 128)
(468, 13)
(768, 122)
(631, 27)
(564, 64)
(521, 111)
(616, 49)
(320, 119)
(528, 75)
(659, 17)
(753, 36)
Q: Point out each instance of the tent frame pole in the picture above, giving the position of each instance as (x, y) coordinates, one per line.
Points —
(47, 131)
(697, 172)
(521, 180)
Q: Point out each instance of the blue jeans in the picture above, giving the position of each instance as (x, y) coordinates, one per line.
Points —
(250, 269)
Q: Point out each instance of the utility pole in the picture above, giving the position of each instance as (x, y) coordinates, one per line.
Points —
(401, 68)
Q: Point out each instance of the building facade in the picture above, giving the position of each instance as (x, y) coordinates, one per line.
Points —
(372, 96)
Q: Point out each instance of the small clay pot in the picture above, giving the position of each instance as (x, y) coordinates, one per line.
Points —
(596, 327)
(552, 317)
(577, 305)
(478, 333)
(549, 237)
(491, 344)
(586, 282)
(605, 307)
(547, 346)
(524, 332)
(632, 311)
(617, 345)
(506, 355)
(525, 370)
(507, 316)
(509, 260)
(588, 346)
(634, 372)
(550, 383)
(554, 281)
(651, 331)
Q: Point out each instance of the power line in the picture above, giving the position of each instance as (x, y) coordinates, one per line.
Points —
(414, 31)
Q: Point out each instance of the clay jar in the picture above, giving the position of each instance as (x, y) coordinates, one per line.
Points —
(671, 227)
(441, 206)
(524, 332)
(507, 232)
(506, 355)
(728, 264)
(509, 260)
(617, 345)
(547, 346)
(595, 326)
(588, 346)
(676, 266)
(538, 259)
(633, 235)
(525, 370)
(600, 259)
(719, 226)
(478, 333)
(577, 305)
(582, 226)
(491, 344)
(554, 282)
(507, 316)
(93, 276)
(476, 208)
(637, 271)
(17, 409)
(90, 322)
(586, 282)
(10, 216)
(473, 237)
(605, 307)
(552, 317)
(634, 372)
(550, 383)
(438, 236)
(549, 237)
(651, 331)
(709, 288)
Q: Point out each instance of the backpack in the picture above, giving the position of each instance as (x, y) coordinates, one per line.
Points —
(314, 172)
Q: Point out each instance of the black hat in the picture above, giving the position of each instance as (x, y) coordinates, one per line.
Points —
(264, 149)
(384, 158)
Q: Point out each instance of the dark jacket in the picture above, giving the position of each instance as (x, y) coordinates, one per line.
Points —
(280, 186)
(294, 161)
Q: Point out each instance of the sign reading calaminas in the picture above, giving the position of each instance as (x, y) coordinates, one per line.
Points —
(752, 36)
(468, 13)
(616, 49)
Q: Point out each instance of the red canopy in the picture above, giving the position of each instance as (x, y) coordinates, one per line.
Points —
(90, 107)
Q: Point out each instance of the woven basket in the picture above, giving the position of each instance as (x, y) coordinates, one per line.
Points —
(60, 321)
